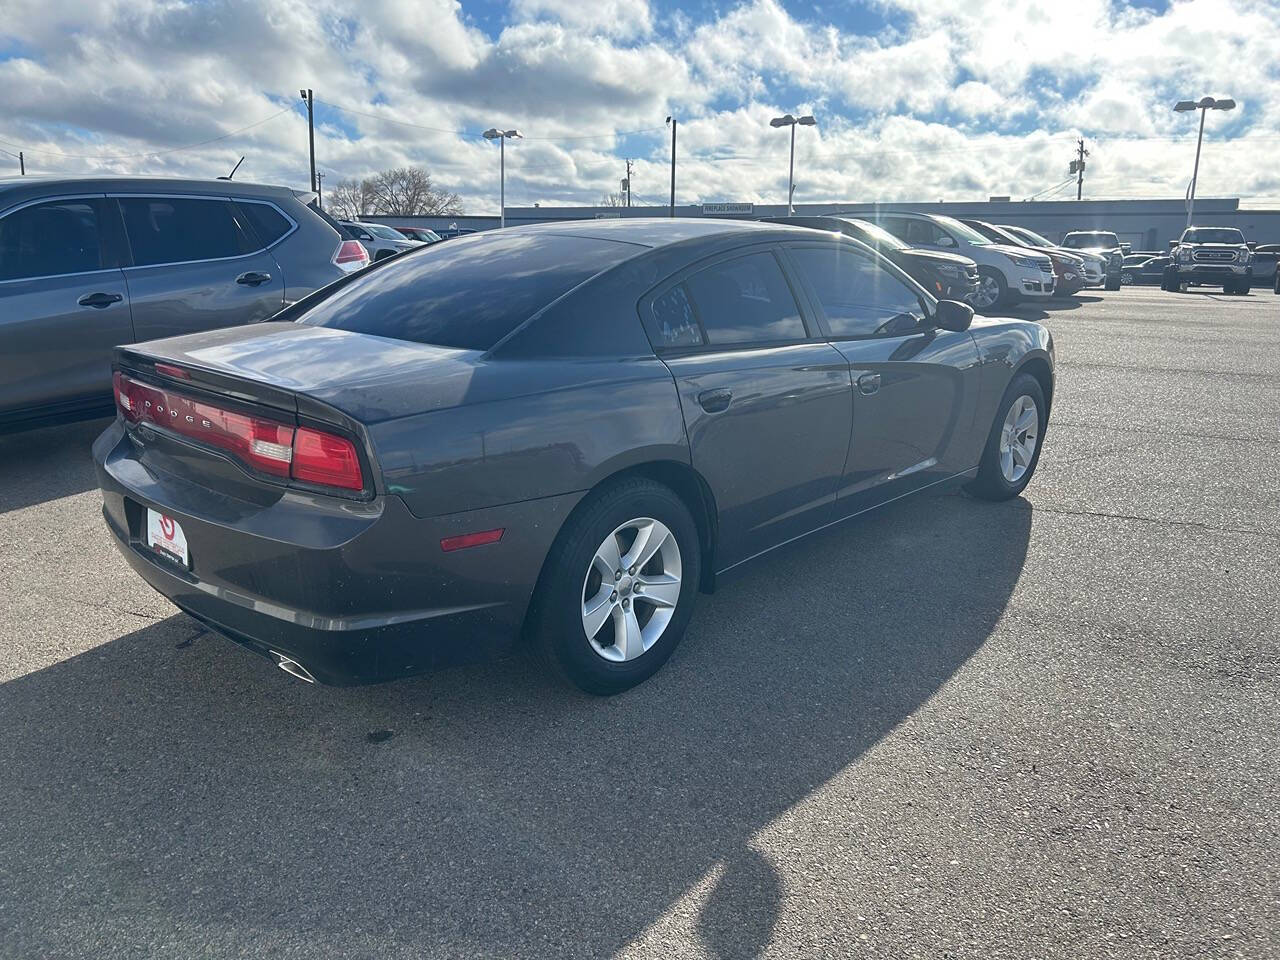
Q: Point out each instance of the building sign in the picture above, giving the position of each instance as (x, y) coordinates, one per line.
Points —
(608, 216)
(727, 209)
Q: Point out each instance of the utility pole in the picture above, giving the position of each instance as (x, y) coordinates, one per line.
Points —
(309, 100)
(673, 122)
(628, 181)
(22, 163)
(1077, 167)
(319, 190)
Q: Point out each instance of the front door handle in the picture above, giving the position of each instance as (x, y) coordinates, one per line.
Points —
(869, 383)
(714, 401)
(99, 299)
(253, 278)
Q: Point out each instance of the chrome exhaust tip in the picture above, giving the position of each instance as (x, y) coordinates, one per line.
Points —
(293, 667)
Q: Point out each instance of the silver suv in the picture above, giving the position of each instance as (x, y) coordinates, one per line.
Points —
(87, 263)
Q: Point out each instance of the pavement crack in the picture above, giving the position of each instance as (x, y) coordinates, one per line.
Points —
(1164, 521)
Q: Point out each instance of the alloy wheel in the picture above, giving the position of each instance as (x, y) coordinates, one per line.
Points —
(988, 292)
(1018, 438)
(631, 589)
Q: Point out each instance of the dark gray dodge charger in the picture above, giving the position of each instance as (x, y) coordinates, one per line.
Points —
(561, 432)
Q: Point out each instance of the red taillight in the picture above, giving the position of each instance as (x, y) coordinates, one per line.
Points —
(271, 447)
(169, 370)
(326, 459)
(351, 256)
(449, 544)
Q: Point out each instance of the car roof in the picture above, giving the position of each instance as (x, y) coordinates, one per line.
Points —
(19, 189)
(655, 232)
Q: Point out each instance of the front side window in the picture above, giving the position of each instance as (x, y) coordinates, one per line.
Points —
(182, 229)
(48, 239)
(745, 300)
(859, 297)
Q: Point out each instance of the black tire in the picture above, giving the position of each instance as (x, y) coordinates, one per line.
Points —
(1167, 281)
(1002, 285)
(1277, 285)
(991, 483)
(1243, 288)
(1113, 284)
(555, 618)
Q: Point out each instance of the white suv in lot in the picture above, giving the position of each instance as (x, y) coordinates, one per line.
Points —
(1005, 273)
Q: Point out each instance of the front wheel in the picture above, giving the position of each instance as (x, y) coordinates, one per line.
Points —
(1126, 279)
(619, 587)
(1114, 284)
(1013, 445)
(992, 290)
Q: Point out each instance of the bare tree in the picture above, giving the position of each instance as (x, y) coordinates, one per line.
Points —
(350, 199)
(611, 200)
(408, 191)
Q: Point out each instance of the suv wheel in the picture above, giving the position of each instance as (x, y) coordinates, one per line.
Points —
(1126, 278)
(992, 289)
(618, 588)
(1113, 283)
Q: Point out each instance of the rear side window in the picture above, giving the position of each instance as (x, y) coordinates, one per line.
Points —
(467, 293)
(673, 324)
(181, 229)
(859, 297)
(48, 239)
(745, 300)
(268, 223)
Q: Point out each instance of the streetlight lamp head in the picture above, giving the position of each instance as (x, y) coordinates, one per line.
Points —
(786, 121)
(1227, 104)
(807, 121)
(1182, 106)
(492, 134)
(1206, 103)
(302, 94)
(513, 133)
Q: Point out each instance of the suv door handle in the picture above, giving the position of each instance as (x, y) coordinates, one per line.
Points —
(253, 278)
(714, 401)
(99, 300)
(869, 383)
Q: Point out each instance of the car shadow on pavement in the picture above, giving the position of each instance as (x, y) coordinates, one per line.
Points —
(1044, 309)
(168, 792)
(41, 465)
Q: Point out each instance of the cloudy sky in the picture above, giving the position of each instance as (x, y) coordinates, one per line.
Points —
(915, 99)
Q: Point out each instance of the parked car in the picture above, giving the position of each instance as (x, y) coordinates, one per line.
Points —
(1068, 268)
(947, 276)
(1103, 243)
(378, 239)
(1149, 270)
(421, 234)
(1093, 266)
(560, 432)
(1005, 273)
(453, 231)
(1210, 256)
(87, 263)
(1264, 260)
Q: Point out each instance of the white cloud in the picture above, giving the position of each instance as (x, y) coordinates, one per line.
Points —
(962, 101)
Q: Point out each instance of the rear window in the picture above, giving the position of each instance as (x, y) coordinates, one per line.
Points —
(467, 294)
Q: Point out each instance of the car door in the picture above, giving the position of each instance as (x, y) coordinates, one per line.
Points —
(63, 306)
(195, 266)
(766, 405)
(915, 386)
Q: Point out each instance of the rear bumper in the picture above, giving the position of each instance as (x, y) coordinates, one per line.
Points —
(356, 593)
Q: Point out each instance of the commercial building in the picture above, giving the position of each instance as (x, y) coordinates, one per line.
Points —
(1144, 224)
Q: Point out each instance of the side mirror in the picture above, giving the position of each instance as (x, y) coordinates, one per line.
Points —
(953, 315)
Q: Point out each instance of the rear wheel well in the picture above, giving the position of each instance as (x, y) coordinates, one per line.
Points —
(1038, 367)
(690, 487)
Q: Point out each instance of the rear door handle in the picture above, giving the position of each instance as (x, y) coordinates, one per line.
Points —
(99, 299)
(869, 383)
(714, 401)
(253, 278)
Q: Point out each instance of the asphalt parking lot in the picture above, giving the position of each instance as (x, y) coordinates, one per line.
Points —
(954, 729)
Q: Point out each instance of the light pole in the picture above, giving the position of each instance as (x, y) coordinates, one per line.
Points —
(790, 121)
(1204, 105)
(309, 100)
(502, 136)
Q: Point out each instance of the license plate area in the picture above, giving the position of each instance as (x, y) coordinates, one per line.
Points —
(165, 537)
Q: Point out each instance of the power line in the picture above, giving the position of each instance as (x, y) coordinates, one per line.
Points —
(149, 153)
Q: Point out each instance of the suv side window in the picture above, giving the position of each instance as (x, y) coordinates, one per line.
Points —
(267, 223)
(50, 239)
(745, 300)
(858, 296)
(925, 232)
(182, 229)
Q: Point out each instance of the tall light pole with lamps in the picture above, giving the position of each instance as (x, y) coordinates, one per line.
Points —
(790, 121)
(502, 136)
(1204, 105)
